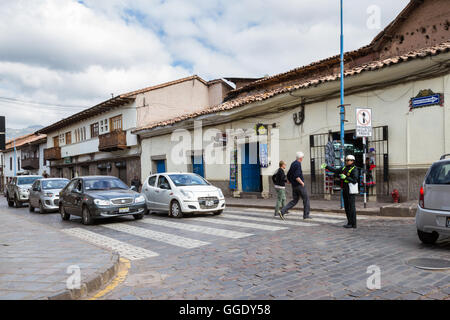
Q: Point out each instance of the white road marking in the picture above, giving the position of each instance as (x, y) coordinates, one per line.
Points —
(239, 224)
(157, 236)
(196, 228)
(275, 220)
(125, 250)
(298, 213)
(292, 218)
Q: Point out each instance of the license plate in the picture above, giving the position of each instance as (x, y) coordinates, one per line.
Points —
(124, 210)
(448, 222)
(209, 203)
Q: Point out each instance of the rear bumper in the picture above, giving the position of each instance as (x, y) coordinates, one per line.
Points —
(432, 221)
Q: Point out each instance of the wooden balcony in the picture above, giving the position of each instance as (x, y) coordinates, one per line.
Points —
(30, 163)
(52, 154)
(112, 141)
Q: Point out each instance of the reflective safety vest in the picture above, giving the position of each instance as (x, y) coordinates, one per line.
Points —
(348, 173)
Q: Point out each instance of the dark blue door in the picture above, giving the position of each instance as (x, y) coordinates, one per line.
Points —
(160, 166)
(251, 174)
(197, 165)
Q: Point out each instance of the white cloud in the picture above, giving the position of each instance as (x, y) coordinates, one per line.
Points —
(72, 53)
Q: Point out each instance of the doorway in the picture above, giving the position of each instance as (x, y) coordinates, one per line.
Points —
(198, 166)
(251, 172)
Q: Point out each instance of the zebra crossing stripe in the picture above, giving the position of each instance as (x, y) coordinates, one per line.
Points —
(200, 229)
(275, 220)
(157, 236)
(314, 214)
(125, 250)
(293, 218)
(218, 220)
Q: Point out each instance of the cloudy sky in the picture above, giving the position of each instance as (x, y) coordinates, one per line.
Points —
(60, 56)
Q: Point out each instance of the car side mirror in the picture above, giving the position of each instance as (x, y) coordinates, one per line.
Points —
(165, 187)
(133, 188)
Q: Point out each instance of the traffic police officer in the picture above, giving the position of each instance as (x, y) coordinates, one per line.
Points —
(347, 174)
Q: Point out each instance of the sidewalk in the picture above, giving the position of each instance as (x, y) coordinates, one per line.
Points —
(405, 209)
(34, 260)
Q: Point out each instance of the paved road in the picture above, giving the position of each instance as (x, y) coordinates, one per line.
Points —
(249, 254)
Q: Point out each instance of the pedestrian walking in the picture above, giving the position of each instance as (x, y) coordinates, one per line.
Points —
(136, 183)
(295, 177)
(349, 182)
(279, 181)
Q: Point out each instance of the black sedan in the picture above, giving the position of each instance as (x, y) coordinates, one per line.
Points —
(100, 197)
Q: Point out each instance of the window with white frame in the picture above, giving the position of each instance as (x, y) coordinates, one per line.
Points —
(80, 134)
(62, 139)
(103, 126)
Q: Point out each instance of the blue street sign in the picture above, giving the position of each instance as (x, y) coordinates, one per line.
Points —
(426, 101)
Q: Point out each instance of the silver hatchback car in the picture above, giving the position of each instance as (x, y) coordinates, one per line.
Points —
(44, 194)
(180, 193)
(433, 211)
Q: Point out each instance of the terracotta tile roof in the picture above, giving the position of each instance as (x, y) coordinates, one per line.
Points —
(24, 140)
(238, 102)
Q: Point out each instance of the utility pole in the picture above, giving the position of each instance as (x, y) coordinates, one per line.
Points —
(15, 158)
(342, 107)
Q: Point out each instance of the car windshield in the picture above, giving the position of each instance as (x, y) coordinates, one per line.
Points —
(439, 173)
(104, 184)
(181, 180)
(27, 180)
(54, 184)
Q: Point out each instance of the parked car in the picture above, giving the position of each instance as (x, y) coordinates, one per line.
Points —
(44, 194)
(18, 190)
(433, 211)
(96, 197)
(180, 193)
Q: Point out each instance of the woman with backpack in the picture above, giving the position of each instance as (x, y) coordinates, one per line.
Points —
(279, 180)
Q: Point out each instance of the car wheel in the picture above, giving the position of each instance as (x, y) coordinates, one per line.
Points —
(41, 208)
(30, 207)
(138, 216)
(17, 203)
(65, 216)
(218, 212)
(427, 238)
(86, 218)
(175, 210)
(10, 202)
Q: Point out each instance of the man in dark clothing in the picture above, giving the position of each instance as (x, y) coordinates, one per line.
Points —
(347, 174)
(136, 183)
(295, 177)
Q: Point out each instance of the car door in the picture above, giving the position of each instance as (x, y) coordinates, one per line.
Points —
(66, 198)
(77, 198)
(149, 191)
(162, 192)
(34, 193)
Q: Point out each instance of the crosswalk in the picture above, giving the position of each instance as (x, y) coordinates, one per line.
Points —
(185, 233)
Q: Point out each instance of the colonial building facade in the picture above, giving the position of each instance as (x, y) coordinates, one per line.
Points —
(99, 140)
(29, 157)
(297, 110)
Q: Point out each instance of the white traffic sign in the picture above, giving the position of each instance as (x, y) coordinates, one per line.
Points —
(363, 122)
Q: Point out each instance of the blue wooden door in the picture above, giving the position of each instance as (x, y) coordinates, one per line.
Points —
(198, 166)
(251, 173)
(161, 166)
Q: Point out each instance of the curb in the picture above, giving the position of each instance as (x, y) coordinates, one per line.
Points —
(95, 283)
(387, 211)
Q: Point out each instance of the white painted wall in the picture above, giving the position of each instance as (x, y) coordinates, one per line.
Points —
(416, 139)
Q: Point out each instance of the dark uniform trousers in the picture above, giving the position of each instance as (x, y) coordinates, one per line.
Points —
(349, 204)
(297, 192)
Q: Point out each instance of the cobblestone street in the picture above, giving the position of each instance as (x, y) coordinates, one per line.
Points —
(249, 254)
